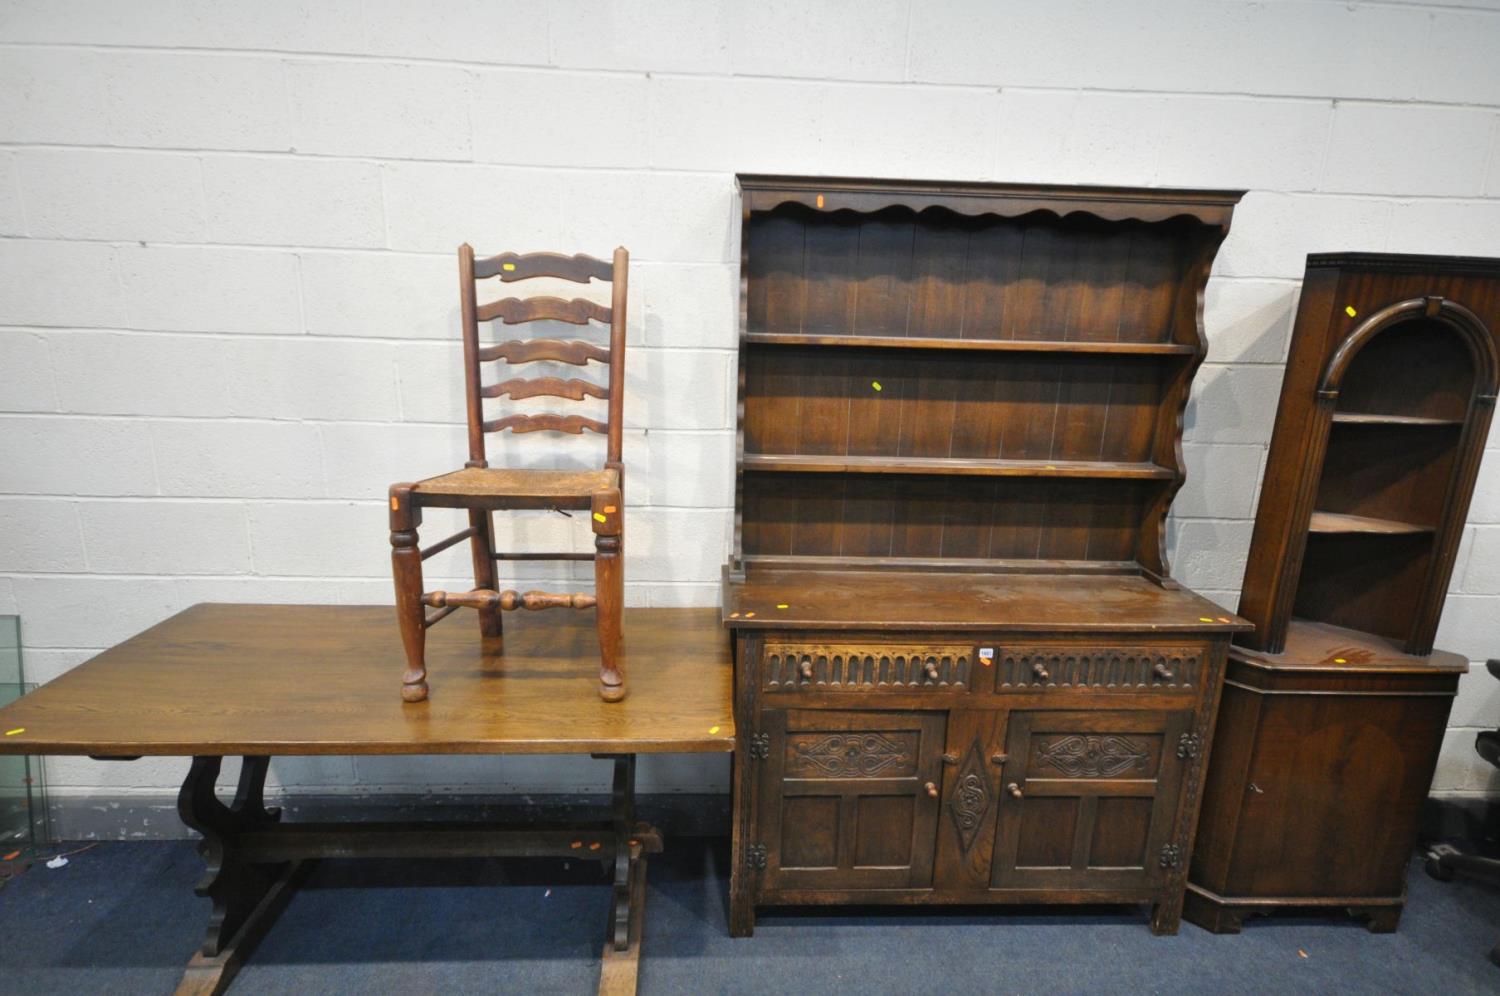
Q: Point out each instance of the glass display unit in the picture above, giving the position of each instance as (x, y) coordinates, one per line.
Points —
(23, 809)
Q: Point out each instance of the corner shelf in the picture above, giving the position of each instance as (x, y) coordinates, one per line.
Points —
(962, 466)
(1367, 418)
(978, 345)
(1334, 523)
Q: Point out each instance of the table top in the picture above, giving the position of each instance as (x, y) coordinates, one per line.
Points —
(311, 679)
(956, 600)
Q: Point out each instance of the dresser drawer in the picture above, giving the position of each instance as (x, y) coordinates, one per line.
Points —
(866, 667)
(1027, 667)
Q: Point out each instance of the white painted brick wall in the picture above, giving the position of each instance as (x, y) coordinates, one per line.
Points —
(201, 289)
(12, 221)
(398, 111)
(227, 308)
(155, 100)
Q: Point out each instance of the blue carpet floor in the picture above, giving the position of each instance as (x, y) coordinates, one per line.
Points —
(121, 918)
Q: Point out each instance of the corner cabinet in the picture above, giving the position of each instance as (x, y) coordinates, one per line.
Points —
(963, 672)
(1336, 703)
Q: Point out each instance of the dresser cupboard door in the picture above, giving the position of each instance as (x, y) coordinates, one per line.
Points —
(1087, 799)
(848, 799)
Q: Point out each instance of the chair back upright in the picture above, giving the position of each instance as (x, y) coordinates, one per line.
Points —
(511, 267)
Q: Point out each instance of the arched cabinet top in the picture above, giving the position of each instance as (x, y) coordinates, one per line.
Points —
(1471, 331)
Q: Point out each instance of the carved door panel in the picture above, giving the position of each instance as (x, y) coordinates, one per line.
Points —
(848, 799)
(970, 799)
(1088, 799)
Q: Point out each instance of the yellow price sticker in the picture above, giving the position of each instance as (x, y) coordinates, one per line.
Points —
(600, 517)
(713, 729)
(508, 267)
(19, 729)
(875, 384)
(1349, 310)
(782, 605)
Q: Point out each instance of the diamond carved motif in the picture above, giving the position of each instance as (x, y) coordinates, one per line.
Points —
(971, 797)
(1105, 756)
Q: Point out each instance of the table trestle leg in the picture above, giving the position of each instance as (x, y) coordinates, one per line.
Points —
(622, 946)
(247, 896)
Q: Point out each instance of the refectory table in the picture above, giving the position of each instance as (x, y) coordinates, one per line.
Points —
(263, 680)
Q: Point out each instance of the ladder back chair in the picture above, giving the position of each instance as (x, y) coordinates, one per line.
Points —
(483, 489)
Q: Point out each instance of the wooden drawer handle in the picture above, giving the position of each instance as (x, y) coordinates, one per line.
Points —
(1042, 674)
(1162, 671)
(931, 789)
(950, 759)
(806, 669)
(931, 670)
(1014, 790)
(999, 758)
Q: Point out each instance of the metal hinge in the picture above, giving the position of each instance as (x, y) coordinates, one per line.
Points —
(760, 746)
(755, 856)
(1171, 855)
(1188, 746)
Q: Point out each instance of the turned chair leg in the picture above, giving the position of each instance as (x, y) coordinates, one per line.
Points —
(482, 546)
(609, 589)
(406, 569)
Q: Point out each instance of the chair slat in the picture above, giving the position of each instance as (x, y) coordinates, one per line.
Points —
(514, 310)
(527, 350)
(554, 387)
(546, 422)
(510, 266)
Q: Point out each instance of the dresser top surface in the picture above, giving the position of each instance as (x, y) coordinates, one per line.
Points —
(1316, 646)
(949, 600)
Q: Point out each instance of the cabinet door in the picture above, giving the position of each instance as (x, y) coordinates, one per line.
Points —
(1087, 799)
(849, 799)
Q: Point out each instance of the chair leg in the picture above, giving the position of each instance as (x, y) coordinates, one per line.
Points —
(482, 546)
(609, 589)
(406, 569)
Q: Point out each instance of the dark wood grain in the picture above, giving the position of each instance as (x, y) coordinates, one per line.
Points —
(789, 463)
(483, 490)
(607, 518)
(1336, 703)
(1322, 761)
(518, 388)
(546, 422)
(217, 679)
(970, 345)
(510, 266)
(1385, 408)
(1076, 345)
(895, 600)
(528, 350)
(837, 194)
(960, 416)
(515, 310)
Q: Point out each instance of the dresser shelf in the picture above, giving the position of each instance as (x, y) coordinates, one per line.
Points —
(971, 345)
(957, 466)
